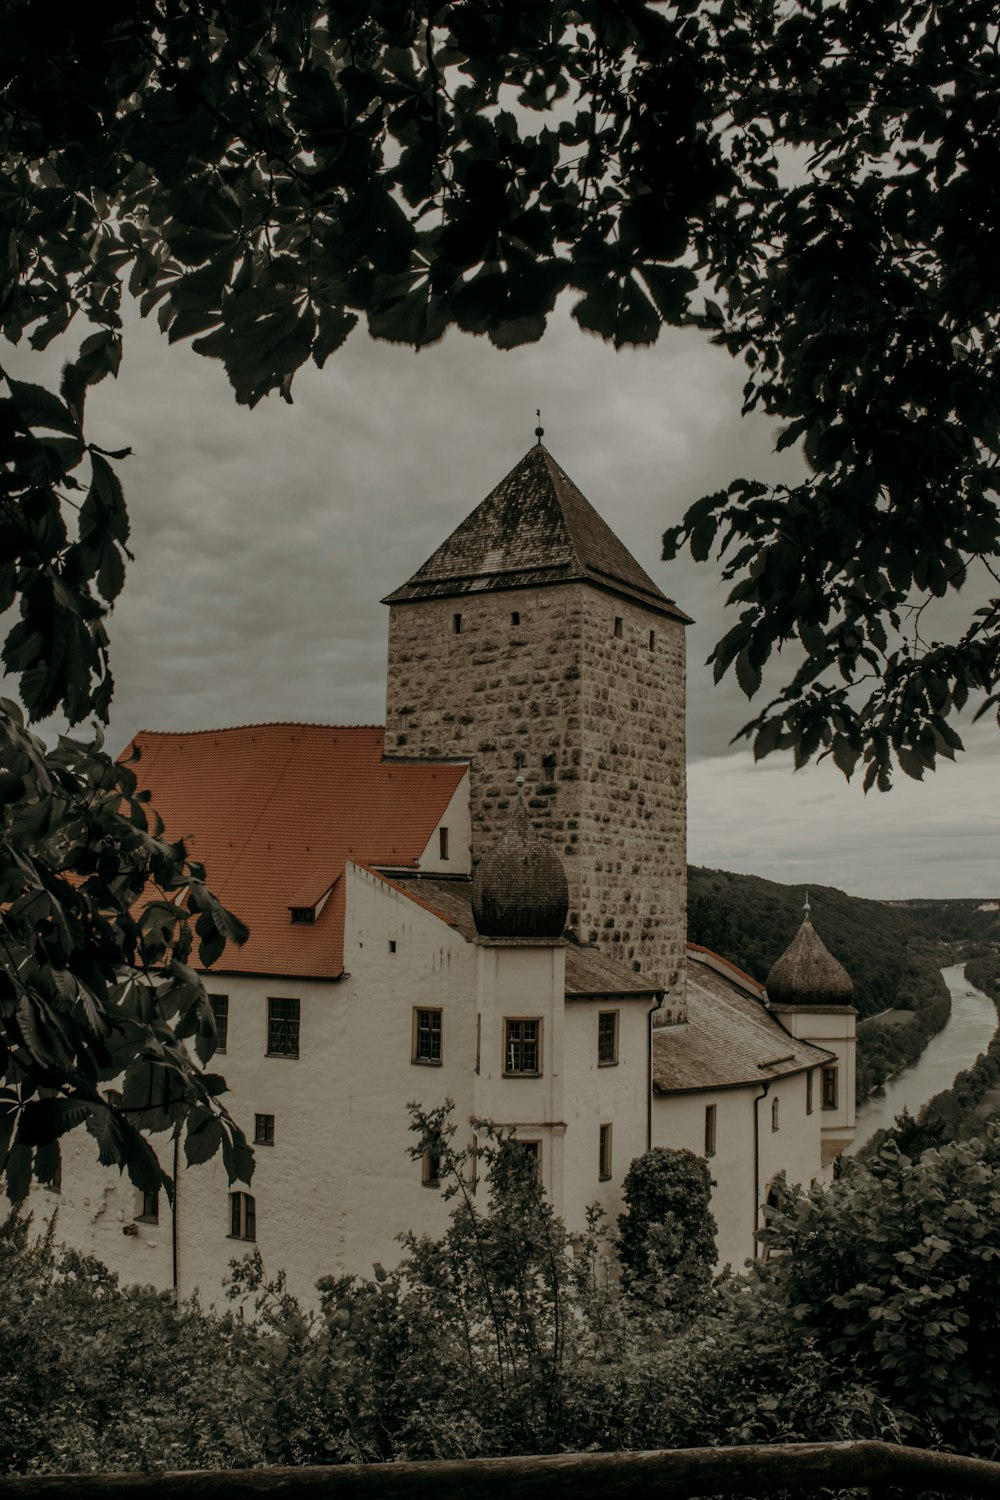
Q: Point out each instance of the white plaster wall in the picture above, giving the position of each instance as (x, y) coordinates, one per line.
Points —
(679, 1121)
(457, 818)
(524, 981)
(597, 1095)
(833, 1028)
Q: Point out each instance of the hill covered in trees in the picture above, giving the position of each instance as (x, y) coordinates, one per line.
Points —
(751, 921)
(893, 952)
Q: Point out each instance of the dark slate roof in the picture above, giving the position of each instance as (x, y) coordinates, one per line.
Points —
(588, 971)
(519, 889)
(535, 528)
(729, 1039)
(807, 972)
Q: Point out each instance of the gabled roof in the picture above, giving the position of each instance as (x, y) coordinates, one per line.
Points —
(588, 971)
(729, 1040)
(273, 811)
(535, 528)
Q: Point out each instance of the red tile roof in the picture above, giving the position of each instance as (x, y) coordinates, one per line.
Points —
(273, 811)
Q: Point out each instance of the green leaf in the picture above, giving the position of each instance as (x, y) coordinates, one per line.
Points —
(767, 738)
(44, 1120)
(747, 675)
(18, 1173)
(38, 407)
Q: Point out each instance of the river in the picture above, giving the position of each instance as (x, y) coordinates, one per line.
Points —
(967, 1032)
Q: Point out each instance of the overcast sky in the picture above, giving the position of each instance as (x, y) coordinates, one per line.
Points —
(264, 541)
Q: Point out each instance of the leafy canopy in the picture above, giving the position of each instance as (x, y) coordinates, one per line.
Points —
(811, 183)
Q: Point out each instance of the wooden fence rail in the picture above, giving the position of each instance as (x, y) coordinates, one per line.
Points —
(673, 1474)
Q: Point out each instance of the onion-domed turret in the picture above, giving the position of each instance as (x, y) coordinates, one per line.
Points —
(807, 972)
(519, 889)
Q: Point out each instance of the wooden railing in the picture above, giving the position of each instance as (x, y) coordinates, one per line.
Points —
(673, 1474)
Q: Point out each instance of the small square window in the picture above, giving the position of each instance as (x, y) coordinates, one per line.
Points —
(242, 1216)
(618, 626)
(220, 1010)
(456, 623)
(148, 1207)
(263, 1130)
(113, 1097)
(283, 1028)
(303, 916)
(607, 1038)
(711, 1112)
(604, 1153)
(522, 1048)
(427, 1037)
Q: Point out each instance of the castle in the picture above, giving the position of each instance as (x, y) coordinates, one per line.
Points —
(485, 901)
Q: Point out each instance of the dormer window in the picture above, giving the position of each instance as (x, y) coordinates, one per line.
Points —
(303, 915)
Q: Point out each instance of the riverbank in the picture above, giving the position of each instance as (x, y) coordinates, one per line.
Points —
(932, 1114)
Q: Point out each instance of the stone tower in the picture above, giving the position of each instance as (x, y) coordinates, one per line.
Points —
(533, 643)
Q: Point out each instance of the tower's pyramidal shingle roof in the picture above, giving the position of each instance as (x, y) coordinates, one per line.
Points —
(535, 528)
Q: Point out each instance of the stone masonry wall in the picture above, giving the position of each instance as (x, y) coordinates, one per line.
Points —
(593, 720)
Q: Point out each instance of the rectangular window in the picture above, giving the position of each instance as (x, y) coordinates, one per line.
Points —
(427, 1037)
(618, 626)
(392, 945)
(515, 617)
(774, 1114)
(443, 843)
(456, 622)
(522, 1048)
(829, 1088)
(652, 640)
(430, 1173)
(809, 1092)
(283, 1028)
(263, 1130)
(607, 1038)
(148, 1207)
(113, 1097)
(711, 1117)
(533, 1151)
(604, 1153)
(242, 1216)
(479, 1038)
(220, 1010)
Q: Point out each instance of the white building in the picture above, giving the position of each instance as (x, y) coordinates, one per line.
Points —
(423, 928)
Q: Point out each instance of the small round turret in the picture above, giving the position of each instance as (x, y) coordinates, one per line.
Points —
(807, 972)
(519, 889)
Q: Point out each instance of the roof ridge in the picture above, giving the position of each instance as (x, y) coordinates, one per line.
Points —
(259, 724)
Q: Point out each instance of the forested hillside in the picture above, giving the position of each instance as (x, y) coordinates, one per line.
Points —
(751, 921)
(888, 950)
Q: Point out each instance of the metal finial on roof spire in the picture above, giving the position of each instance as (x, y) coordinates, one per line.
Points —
(805, 908)
(539, 430)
